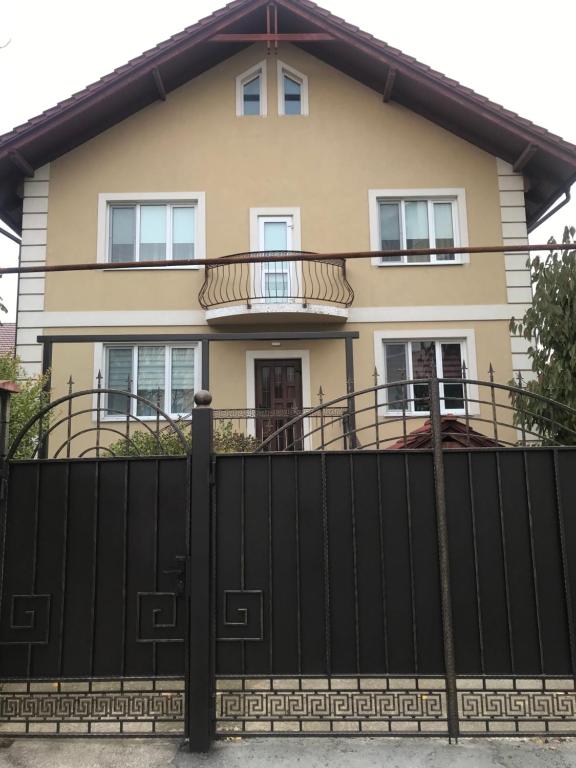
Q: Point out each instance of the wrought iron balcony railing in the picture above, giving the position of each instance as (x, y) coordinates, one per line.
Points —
(267, 283)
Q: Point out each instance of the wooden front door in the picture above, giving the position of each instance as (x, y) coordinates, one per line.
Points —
(278, 401)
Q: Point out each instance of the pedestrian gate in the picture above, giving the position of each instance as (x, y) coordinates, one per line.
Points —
(343, 590)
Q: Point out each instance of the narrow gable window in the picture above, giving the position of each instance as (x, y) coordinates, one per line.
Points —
(292, 91)
(251, 96)
(251, 92)
(292, 96)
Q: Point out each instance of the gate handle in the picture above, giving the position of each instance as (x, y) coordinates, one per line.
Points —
(180, 576)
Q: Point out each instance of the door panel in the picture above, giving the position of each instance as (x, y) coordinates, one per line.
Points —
(279, 398)
(275, 278)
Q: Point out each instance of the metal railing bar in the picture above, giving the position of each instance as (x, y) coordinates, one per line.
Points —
(91, 392)
(251, 259)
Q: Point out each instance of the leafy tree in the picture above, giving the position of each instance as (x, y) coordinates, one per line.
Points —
(550, 327)
(168, 442)
(25, 404)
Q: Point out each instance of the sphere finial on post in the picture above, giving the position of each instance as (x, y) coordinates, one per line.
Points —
(202, 398)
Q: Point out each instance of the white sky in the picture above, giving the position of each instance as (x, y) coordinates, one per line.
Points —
(516, 52)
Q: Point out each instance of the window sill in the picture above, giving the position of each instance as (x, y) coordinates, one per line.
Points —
(458, 263)
(384, 414)
(189, 267)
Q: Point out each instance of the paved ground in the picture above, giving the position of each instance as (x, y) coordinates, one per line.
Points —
(293, 753)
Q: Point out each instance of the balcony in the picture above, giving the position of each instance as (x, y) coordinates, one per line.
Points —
(276, 290)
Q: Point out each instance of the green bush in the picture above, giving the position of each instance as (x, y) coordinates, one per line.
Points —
(25, 404)
(169, 443)
(549, 324)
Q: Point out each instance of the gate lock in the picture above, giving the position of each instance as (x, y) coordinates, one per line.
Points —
(180, 574)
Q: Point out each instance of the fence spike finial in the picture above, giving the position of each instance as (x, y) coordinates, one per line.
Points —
(320, 395)
(520, 380)
(464, 369)
(491, 373)
(99, 379)
(376, 376)
(70, 383)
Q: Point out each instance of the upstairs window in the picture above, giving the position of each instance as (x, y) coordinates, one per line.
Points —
(413, 224)
(151, 231)
(292, 91)
(251, 92)
(418, 222)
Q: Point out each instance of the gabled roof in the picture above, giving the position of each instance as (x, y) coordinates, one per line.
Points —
(548, 161)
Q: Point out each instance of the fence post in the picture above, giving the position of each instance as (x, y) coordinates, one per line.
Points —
(200, 670)
(444, 561)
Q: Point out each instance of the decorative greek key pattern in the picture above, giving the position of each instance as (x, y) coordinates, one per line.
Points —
(243, 615)
(92, 707)
(29, 620)
(158, 619)
(371, 705)
(532, 706)
(273, 413)
(253, 706)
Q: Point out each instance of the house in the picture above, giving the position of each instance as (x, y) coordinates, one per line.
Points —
(272, 127)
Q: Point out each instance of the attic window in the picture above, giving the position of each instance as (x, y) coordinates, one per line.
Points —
(251, 96)
(292, 91)
(251, 92)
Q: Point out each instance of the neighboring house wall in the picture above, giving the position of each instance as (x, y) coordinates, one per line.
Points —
(324, 164)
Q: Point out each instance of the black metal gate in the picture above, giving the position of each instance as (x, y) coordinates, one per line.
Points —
(417, 591)
(93, 620)
(330, 594)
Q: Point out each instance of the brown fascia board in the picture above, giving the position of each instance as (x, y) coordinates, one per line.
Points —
(130, 72)
(382, 56)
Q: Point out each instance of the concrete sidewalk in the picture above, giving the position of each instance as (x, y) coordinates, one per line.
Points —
(289, 753)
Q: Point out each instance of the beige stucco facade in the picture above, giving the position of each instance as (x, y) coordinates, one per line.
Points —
(324, 164)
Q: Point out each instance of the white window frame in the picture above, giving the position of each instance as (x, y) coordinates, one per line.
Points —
(257, 218)
(245, 77)
(456, 196)
(285, 69)
(101, 365)
(466, 337)
(278, 354)
(107, 200)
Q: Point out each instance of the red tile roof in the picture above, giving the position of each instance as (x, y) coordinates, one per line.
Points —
(7, 337)
(455, 434)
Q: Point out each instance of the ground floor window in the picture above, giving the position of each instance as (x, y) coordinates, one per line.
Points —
(163, 374)
(420, 359)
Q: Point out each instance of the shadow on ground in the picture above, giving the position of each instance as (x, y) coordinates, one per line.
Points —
(293, 753)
